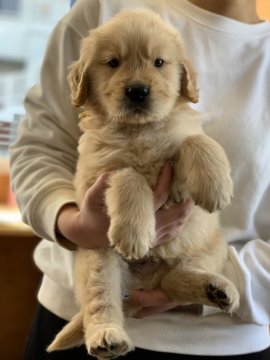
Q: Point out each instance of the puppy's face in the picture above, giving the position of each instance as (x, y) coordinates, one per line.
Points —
(132, 70)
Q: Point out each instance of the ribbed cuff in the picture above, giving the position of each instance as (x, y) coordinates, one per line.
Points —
(45, 215)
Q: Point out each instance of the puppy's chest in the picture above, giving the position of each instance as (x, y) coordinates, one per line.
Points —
(145, 154)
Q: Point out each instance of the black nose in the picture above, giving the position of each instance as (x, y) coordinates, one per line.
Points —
(137, 93)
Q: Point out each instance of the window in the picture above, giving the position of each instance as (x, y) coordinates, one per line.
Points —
(9, 7)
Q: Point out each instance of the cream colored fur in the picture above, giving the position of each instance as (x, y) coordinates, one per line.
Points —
(135, 143)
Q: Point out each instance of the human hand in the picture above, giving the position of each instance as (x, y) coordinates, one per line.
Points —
(150, 302)
(169, 220)
(87, 227)
(156, 301)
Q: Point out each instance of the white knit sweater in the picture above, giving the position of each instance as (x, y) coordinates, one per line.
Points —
(233, 63)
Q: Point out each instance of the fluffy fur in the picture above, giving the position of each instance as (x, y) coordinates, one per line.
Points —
(134, 132)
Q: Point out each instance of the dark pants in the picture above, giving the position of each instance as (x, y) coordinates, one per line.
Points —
(46, 325)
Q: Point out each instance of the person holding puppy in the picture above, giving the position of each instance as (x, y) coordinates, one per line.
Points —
(228, 46)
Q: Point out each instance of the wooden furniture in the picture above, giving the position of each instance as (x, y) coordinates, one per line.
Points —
(19, 281)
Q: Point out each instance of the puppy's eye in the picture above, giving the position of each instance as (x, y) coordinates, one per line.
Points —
(159, 63)
(114, 63)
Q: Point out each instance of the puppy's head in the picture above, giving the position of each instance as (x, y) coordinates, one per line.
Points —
(132, 70)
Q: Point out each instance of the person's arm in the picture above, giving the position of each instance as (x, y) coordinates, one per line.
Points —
(43, 159)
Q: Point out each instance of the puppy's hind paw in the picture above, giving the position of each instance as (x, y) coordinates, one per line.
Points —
(225, 296)
(108, 343)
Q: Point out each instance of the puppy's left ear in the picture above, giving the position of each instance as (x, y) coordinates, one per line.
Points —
(188, 82)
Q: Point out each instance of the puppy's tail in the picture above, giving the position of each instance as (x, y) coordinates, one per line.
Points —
(70, 336)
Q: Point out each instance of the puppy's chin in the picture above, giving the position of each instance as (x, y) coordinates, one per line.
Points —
(125, 113)
(134, 116)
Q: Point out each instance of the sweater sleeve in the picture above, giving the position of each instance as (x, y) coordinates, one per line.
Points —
(43, 159)
(249, 270)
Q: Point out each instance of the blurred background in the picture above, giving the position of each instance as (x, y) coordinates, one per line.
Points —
(25, 26)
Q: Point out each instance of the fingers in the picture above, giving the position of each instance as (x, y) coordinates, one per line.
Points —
(162, 187)
(149, 298)
(95, 192)
(171, 221)
(175, 214)
(166, 234)
(151, 302)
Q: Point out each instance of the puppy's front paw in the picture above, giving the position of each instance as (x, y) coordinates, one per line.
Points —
(132, 242)
(211, 192)
(222, 192)
(206, 170)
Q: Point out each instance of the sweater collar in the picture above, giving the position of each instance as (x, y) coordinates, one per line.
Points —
(219, 22)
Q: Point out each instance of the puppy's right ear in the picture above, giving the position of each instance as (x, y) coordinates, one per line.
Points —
(79, 83)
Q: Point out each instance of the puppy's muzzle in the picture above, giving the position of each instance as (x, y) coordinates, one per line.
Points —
(137, 95)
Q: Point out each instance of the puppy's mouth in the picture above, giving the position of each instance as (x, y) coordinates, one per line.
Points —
(136, 113)
(136, 103)
(137, 109)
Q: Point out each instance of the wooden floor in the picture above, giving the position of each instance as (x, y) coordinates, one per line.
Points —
(19, 281)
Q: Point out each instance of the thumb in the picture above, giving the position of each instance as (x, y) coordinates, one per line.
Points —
(149, 298)
(95, 194)
(162, 188)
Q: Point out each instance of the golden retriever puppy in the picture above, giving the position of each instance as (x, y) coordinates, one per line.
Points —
(135, 88)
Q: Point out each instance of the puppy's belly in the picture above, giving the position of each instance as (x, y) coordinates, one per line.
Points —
(200, 238)
(190, 248)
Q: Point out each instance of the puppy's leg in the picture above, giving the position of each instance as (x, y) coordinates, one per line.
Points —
(130, 204)
(100, 293)
(204, 169)
(70, 336)
(100, 321)
(187, 285)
